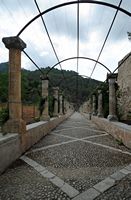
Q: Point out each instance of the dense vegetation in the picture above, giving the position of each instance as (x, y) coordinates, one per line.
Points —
(31, 85)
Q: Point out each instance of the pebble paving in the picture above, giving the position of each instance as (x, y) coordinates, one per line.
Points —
(110, 141)
(81, 164)
(21, 182)
(121, 191)
(71, 154)
(49, 140)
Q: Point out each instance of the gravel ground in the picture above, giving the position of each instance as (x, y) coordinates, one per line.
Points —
(78, 163)
(50, 140)
(121, 191)
(21, 182)
(109, 141)
(81, 164)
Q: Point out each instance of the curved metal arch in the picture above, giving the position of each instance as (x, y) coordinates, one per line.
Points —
(71, 58)
(70, 3)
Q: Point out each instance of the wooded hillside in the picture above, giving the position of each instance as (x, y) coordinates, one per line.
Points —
(31, 84)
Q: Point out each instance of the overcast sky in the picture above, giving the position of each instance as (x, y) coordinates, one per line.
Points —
(61, 23)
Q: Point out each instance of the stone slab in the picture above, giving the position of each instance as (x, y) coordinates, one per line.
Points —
(90, 194)
(104, 185)
(70, 191)
(117, 176)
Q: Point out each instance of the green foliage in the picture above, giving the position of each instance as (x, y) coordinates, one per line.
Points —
(4, 115)
(119, 141)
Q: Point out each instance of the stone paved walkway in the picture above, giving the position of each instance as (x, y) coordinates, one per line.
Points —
(75, 161)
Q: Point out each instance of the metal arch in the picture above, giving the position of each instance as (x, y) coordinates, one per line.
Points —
(79, 58)
(70, 3)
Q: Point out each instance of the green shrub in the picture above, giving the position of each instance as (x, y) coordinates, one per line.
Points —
(4, 115)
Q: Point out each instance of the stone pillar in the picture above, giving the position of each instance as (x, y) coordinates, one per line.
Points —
(112, 97)
(55, 94)
(61, 104)
(94, 105)
(15, 124)
(89, 105)
(100, 107)
(45, 114)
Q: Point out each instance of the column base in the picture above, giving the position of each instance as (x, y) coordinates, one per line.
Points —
(112, 118)
(45, 118)
(100, 115)
(14, 126)
(94, 114)
(55, 115)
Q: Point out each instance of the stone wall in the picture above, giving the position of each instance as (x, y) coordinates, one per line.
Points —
(120, 131)
(13, 145)
(124, 92)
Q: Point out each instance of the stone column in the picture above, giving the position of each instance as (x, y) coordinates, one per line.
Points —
(100, 107)
(15, 124)
(89, 105)
(45, 114)
(94, 105)
(61, 104)
(55, 94)
(112, 97)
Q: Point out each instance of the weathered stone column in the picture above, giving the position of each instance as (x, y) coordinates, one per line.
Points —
(94, 105)
(55, 94)
(45, 114)
(89, 105)
(61, 104)
(15, 124)
(112, 97)
(100, 107)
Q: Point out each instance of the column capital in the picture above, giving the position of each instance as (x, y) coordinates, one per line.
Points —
(112, 76)
(99, 91)
(55, 88)
(14, 43)
(44, 78)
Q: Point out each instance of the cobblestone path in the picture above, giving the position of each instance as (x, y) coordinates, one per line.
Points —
(75, 161)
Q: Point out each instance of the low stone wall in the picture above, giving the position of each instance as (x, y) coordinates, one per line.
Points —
(120, 131)
(9, 150)
(12, 145)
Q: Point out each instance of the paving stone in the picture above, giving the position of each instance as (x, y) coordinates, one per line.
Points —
(69, 190)
(104, 185)
(120, 191)
(57, 181)
(118, 176)
(128, 167)
(90, 194)
(125, 171)
(40, 168)
(47, 174)
(29, 161)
